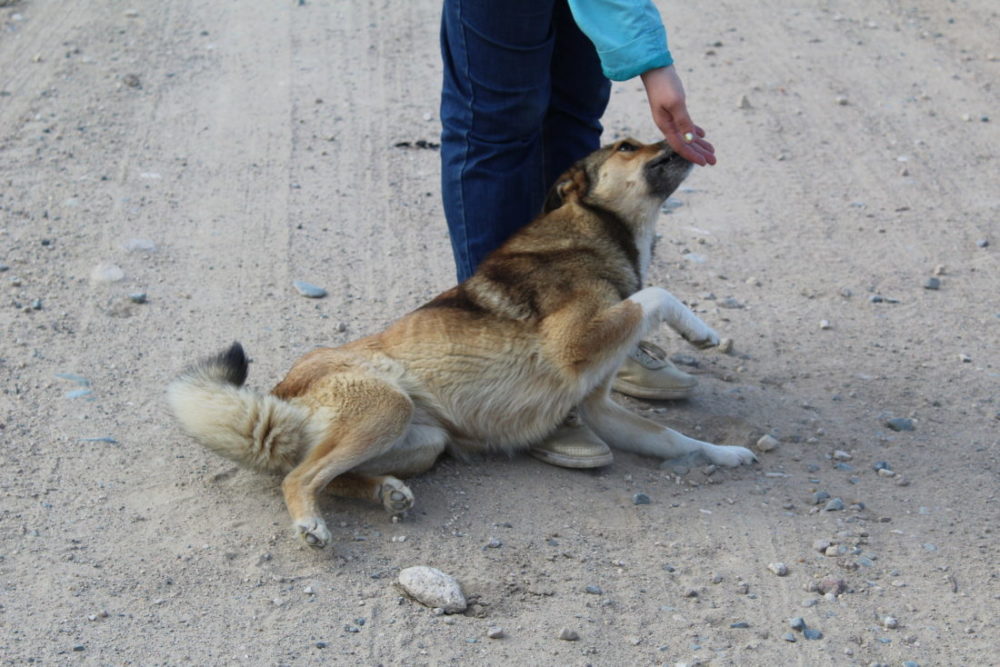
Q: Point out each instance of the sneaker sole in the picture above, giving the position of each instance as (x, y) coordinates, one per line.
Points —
(564, 461)
(652, 393)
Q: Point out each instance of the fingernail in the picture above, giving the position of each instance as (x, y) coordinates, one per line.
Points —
(688, 137)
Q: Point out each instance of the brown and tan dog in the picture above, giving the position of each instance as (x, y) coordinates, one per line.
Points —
(494, 364)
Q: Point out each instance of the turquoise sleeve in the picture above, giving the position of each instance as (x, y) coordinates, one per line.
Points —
(628, 34)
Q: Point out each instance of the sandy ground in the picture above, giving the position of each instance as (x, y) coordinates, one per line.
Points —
(217, 151)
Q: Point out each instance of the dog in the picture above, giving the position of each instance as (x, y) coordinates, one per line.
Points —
(494, 364)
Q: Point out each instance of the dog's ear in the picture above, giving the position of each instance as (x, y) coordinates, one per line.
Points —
(573, 184)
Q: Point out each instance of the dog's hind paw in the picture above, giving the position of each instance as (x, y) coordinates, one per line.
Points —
(729, 456)
(395, 496)
(313, 531)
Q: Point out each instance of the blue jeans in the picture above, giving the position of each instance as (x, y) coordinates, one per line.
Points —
(522, 100)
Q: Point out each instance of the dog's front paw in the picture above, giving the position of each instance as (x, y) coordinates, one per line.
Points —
(703, 338)
(729, 456)
(395, 496)
(313, 531)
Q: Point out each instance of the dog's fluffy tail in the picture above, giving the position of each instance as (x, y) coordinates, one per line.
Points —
(259, 431)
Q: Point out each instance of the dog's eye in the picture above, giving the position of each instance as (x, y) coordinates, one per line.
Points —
(626, 147)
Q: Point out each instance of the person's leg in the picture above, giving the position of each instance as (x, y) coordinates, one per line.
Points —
(580, 94)
(493, 104)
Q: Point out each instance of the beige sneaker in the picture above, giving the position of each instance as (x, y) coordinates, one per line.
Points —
(573, 445)
(647, 373)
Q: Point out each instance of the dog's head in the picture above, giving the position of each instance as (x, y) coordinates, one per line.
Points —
(627, 177)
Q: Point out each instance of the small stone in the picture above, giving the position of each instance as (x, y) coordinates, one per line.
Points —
(789, 637)
(841, 455)
(495, 632)
(832, 551)
(139, 245)
(831, 585)
(79, 647)
(824, 324)
(900, 424)
(745, 102)
(812, 633)
(767, 443)
(743, 588)
(911, 663)
(494, 543)
(881, 465)
(726, 345)
(819, 497)
(821, 545)
(137, 297)
(640, 499)
(779, 569)
(885, 472)
(107, 273)
(835, 505)
(983, 243)
(932, 283)
(739, 625)
(132, 81)
(691, 593)
(433, 588)
(309, 290)
(731, 303)
(890, 623)
(568, 635)
(36, 304)
(842, 101)
(308, 590)
(594, 590)
(320, 644)
(965, 359)
(797, 623)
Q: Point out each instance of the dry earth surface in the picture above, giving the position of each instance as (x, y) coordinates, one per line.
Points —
(215, 152)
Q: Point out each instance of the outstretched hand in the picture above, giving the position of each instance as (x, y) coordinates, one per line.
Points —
(668, 104)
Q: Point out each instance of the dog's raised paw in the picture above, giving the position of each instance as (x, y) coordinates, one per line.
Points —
(396, 497)
(313, 531)
(729, 456)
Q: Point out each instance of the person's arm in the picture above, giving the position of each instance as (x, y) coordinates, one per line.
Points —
(631, 41)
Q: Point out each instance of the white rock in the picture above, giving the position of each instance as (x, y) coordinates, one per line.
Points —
(767, 443)
(434, 588)
(779, 569)
(107, 273)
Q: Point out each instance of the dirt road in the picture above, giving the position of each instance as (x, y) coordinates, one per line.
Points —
(168, 169)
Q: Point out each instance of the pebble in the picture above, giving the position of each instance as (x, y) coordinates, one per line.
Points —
(890, 623)
(885, 472)
(824, 324)
(779, 569)
(139, 245)
(745, 103)
(965, 359)
(911, 663)
(983, 243)
(137, 297)
(739, 625)
(309, 290)
(842, 101)
(107, 273)
(900, 424)
(833, 585)
(789, 637)
(494, 543)
(726, 345)
(932, 283)
(797, 623)
(821, 545)
(640, 499)
(819, 497)
(881, 465)
(767, 443)
(320, 644)
(495, 632)
(841, 455)
(568, 635)
(835, 505)
(433, 588)
(812, 633)
(594, 590)
(4, 267)
(731, 303)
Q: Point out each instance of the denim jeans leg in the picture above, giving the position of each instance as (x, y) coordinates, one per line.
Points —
(494, 99)
(580, 95)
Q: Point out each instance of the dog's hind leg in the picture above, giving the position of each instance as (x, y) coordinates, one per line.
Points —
(368, 425)
(386, 490)
(624, 430)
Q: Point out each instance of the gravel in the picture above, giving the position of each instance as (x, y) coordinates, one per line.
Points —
(900, 424)
(779, 569)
